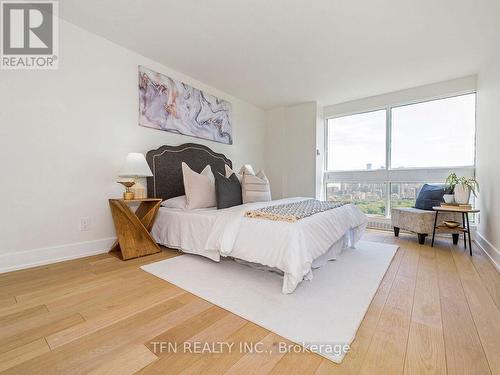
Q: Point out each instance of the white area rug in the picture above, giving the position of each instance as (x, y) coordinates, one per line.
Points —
(321, 314)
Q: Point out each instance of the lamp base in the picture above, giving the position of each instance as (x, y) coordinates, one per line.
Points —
(139, 190)
(128, 195)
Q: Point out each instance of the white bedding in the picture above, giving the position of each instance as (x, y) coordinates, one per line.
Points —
(289, 247)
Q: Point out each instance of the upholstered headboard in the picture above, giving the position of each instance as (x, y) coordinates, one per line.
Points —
(165, 163)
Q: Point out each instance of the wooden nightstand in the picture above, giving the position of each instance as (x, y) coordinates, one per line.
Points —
(465, 229)
(132, 228)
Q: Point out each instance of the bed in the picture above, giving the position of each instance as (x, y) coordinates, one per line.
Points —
(293, 249)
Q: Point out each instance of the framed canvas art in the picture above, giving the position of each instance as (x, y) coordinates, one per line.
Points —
(170, 105)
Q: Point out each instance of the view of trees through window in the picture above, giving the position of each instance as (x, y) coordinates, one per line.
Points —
(371, 198)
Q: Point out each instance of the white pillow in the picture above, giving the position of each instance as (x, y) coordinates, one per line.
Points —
(177, 202)
(255, 188)
(246, 169)
(199, 187)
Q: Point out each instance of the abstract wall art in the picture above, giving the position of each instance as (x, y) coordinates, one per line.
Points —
(173, 106)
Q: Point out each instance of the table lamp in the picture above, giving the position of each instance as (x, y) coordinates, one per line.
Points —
(135, 167)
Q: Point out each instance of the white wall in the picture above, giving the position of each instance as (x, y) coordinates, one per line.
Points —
(274, 145)
(488, 156)
(63, 137)
(291, 150)
(416, 94)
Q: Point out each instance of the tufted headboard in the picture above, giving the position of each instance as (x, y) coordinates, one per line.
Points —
(165, 163)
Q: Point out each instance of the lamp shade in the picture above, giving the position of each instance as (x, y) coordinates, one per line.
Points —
(135, 166)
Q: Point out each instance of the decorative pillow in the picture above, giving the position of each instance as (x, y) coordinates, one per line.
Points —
(246, 169)
(227, 191)
(430, 196)
(177, 202)
(229, 172)
(199, 187)
(255, 188)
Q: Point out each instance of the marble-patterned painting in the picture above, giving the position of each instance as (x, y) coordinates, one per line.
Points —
(171, 105)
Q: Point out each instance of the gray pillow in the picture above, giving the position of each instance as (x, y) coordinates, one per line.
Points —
(227, 191)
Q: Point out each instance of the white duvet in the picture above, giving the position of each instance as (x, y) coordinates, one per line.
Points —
(292, 248)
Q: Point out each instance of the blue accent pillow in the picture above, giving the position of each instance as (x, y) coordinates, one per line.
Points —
(430, 196)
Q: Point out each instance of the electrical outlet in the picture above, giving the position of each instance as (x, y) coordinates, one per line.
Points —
(85, 224)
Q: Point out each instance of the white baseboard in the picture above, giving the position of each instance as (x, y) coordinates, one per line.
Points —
(38, 257)
(490, 250)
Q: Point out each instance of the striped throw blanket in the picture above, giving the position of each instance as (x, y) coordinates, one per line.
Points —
(291, 212)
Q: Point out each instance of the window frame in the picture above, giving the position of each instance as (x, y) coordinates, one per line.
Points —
(391, 175)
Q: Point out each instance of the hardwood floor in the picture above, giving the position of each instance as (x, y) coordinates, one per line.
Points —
(435, 312)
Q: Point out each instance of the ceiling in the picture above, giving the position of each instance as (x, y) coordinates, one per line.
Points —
(280, 52)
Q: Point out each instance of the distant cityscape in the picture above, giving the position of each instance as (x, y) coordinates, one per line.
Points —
(371, 197)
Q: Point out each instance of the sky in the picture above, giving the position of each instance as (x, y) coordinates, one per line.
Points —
(439, 133)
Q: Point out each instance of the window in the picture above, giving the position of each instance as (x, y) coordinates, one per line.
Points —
(357, 142)
(444, 127)
(381, 159)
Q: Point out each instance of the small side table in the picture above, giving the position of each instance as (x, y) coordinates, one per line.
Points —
(132, 228)
(465, 229)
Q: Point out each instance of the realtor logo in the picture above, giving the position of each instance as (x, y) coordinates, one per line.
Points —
(29, 35)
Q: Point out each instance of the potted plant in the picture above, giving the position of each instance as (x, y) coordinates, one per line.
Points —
(462, 187)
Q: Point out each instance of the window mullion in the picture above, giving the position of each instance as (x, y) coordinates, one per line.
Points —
(388, 138)
(388, 142)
